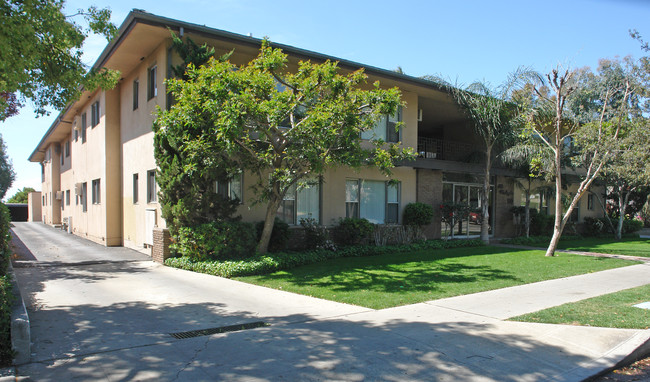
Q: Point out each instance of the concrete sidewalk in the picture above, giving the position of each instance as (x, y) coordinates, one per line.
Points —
(112, 321)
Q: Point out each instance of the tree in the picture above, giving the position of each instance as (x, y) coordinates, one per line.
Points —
(186, 180)
(580, 105)
(40, 59)
(21, 195)
(7, 174)
(492, 116)
(629, 171)
(281, 127)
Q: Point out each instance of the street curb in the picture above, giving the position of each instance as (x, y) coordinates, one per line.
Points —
(20, 331)
(640, 352)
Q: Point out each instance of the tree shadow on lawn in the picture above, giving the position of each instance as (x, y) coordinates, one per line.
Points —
(394, 277)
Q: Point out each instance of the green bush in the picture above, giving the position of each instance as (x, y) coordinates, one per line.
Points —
(316, 236)
(5, 238)
(631, 226)
(594, 226)
(279, 235)
(541, 224)
(216, 240)
(269, 263)
(351, 231)
(418, 214)
(6, 301)
(536, 241)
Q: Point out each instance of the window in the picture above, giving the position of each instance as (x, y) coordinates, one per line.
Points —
(136, 92)
(84, 197)
(232, 189)
(376, 201)
(62, 159)
(43, 197)
(67, 149)
(84, 122)
(152, 192)
(67, 197)
(76, 134)
(152, 88)
(386, 129)
(96, 191)
(590, 202)
(135, 188)
(94, 114)
(352, 198)
(301, 204)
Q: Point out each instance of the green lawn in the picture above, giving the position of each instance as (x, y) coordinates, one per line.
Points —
(398, 279)
(614, 310)
(627, 246)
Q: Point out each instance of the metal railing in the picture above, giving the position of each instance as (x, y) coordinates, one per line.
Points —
(431, 148)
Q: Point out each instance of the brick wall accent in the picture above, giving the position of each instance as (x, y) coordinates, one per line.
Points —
(161, 240)
(429, 191)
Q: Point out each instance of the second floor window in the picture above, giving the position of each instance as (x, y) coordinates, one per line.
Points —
(386, 128)
(136, 93)
(84, 125)
(152, 86)
(94, 114)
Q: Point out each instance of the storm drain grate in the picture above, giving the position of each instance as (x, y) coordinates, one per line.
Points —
(221, 329)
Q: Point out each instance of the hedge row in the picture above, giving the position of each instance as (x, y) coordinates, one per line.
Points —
(269, 263)
(6, 291)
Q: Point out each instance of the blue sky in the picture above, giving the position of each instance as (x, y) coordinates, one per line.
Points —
(463, 41)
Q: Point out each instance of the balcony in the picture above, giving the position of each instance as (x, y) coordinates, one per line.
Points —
(431, 148)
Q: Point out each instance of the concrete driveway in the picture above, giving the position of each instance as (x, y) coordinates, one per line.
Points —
(108, 314)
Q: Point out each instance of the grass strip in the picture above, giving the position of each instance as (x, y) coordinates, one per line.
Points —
(614, 310)
(394, 279)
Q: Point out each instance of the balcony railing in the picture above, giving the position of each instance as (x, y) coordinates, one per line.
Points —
(431, 148)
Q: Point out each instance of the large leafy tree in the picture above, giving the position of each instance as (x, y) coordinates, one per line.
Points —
(280, 126)
(21, 196)
(40, 54)
(7, 174)
(629, 171)
(579, 116)
(186, 179)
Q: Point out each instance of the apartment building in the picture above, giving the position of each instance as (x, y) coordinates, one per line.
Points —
(98, 167)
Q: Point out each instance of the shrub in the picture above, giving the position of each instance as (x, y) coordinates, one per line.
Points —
(216, 240)
(594, 226)
(269, 263)
(352, 231)
(6, 301)
(541, 224)
(5, 238)
(316, 236)
(279, 235)
(631, 226)
(418, 214)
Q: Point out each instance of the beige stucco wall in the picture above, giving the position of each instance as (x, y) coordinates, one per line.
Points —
(333, 192)
(34, 206)
(137, 153)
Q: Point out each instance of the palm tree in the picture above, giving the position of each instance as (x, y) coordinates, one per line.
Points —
(491, 114)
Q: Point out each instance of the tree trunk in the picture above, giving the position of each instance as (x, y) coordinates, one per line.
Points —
(271, 212)
(485, 213)
(557, 226)
(622, 204)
